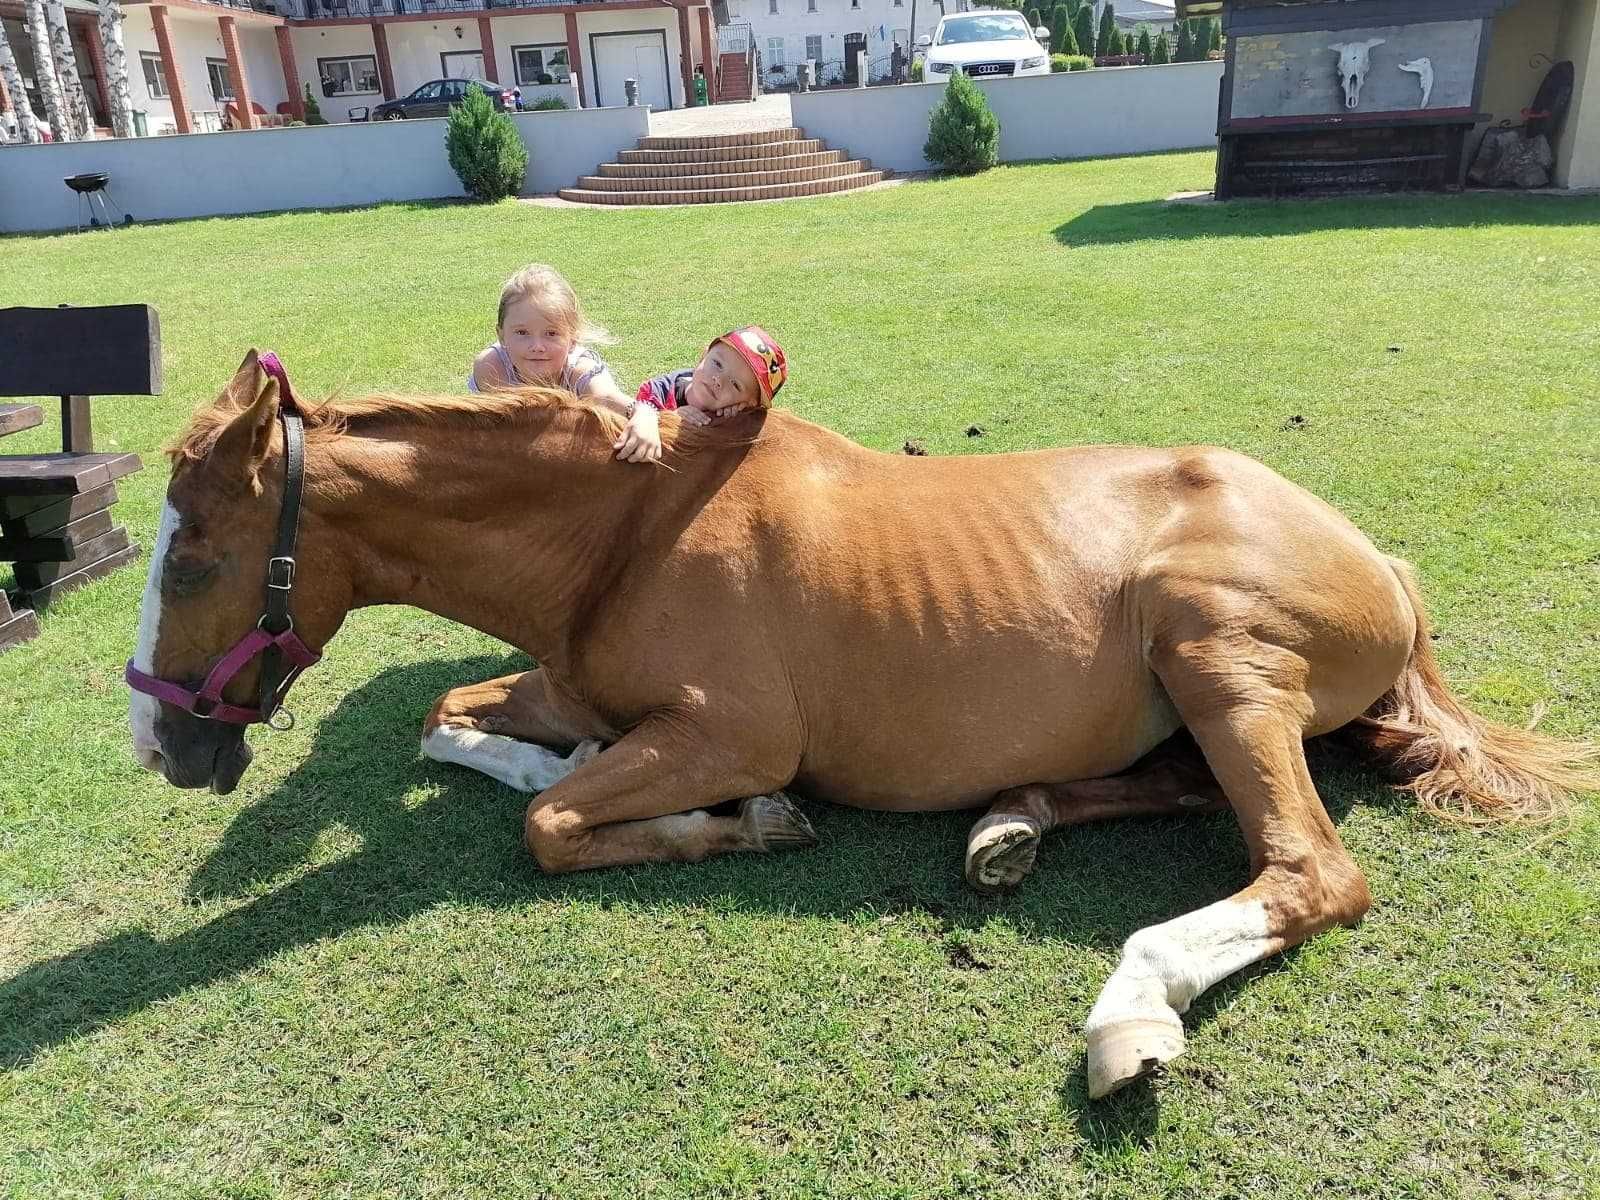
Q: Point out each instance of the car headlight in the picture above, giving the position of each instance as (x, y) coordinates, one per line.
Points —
(1029, 64)
(939, 68)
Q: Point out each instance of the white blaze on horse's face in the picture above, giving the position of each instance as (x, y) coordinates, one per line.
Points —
(1353, 63)
(143, 710)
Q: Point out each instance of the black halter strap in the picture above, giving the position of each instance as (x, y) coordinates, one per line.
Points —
(276, 677)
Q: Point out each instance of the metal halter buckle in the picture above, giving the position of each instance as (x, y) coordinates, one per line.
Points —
(280, 568)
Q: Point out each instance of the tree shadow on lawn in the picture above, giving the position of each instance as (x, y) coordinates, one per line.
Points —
(1095, 884)
(1158, 220)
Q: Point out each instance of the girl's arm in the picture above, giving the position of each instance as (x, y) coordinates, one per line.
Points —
(488, 373)
(640, 440)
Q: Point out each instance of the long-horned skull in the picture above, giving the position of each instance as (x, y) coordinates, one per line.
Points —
(1353, 67)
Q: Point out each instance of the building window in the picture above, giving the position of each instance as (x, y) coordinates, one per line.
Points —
(155, 81)
(217, 73)
(814, 47)
(811, 5)
(541, 64)
(855, 3)
(356, 76)
(772, 7)
(899, 3)
(774, 49)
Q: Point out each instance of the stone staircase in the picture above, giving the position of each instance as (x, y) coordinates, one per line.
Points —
(733, 78)
(766, 164)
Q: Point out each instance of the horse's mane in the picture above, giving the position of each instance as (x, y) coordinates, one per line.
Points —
(345, 416)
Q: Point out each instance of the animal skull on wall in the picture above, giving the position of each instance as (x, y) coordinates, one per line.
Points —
(1353, 62)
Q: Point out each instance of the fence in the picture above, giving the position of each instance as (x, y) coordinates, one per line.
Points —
(326, 166)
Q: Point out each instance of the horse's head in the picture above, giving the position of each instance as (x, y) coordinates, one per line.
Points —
(208, 579)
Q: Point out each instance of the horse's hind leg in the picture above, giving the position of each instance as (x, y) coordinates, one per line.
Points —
(519, 729)
(1172, 778)
(1246, 703)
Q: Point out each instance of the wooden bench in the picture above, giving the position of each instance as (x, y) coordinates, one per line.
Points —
(56, 525)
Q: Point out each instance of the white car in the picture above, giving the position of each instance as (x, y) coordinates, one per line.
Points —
(987, 44)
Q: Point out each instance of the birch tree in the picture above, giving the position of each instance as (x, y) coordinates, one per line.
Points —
(44, 70)
(116, 67)
(27, 127)
(77, 103)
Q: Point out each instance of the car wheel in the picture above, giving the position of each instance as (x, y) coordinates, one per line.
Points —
(394, 114)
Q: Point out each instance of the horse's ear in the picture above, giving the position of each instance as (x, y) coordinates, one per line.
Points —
(243, 444)
(245, 386)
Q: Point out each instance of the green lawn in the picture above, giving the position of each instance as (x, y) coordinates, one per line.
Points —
(347, 979)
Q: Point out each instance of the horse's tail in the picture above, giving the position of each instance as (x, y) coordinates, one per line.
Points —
(1461, 767)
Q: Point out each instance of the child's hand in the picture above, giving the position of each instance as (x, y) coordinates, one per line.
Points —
(693, 416)
(641, 438)
(733, 410)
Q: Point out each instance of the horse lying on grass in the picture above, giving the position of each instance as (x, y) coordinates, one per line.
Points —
(785, 608)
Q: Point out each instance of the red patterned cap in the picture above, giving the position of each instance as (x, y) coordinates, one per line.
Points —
(766, 358)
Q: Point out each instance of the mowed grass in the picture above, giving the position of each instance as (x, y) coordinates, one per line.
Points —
(347, 979)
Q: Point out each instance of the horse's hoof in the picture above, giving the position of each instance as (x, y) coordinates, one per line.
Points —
(775, 822)
(1000, 851)
(1118, 1054)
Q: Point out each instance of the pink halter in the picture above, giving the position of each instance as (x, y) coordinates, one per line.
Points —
(274, 634)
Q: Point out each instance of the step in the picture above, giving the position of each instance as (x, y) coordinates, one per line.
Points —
(743, 179)
(17, 627)
(723, 153)
(775, 191)
(754, 137)
(732, 166)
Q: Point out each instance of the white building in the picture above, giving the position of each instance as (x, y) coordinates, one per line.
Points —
(788, 32)
(195, 64)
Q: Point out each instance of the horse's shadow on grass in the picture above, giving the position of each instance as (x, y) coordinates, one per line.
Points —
(461, 843)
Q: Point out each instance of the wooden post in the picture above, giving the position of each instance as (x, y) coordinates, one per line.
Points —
(76, 435)
(241, 85)
(169, 68)
(575, 56)
(491, 72)
(291, 72)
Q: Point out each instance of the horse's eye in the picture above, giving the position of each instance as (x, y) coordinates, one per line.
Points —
(187, 578)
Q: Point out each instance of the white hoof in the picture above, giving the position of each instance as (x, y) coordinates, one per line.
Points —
(1122, 1052)
(1001, 850)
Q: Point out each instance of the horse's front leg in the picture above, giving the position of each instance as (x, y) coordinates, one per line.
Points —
(640, 801)
(522, 730)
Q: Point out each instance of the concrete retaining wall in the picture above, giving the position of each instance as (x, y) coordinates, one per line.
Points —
(330, 166)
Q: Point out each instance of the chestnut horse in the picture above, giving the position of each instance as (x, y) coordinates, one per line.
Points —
(783, 607)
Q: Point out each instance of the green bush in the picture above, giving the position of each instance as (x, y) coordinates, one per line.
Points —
(1034, 19)
(1185, 50)
(1108, 30)
(916, 71)
(1162, 53)
(1061, 30)
(484, 149)
(313, 109)
(1083, 30)
(549, 104)
(963, 135)
(1080, 62)
(1060, 63)
(1145, 46)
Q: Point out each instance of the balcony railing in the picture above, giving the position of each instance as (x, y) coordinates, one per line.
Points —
(260, 6)
(322, 10)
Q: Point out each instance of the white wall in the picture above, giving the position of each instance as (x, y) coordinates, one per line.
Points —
(258, 45)
(333, 41)
(415, 47)
(1077, 114)
(212, 174)
(624, 21)
(832, 20)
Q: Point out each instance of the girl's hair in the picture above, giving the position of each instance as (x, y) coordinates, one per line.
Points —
(552, 295)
